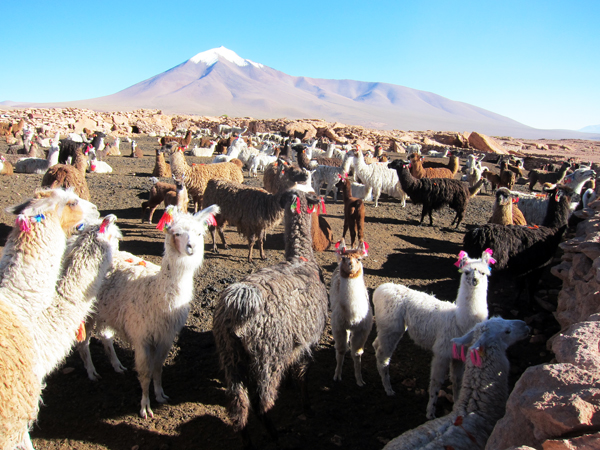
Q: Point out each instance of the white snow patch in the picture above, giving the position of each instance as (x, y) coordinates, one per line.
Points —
(211, 56)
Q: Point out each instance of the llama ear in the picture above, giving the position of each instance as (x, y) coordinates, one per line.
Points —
(464, 341)
(363, 249)
(340, 247)
(486, 257)
(207, 215)
(462, 259)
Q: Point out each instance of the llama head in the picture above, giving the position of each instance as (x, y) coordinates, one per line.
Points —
(475, 271)
(503, 196)
(494, 333)
(70, 210)
(350, 260)
(185, 233)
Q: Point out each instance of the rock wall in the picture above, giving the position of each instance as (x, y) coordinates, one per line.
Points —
(557, 406)
(122, 123)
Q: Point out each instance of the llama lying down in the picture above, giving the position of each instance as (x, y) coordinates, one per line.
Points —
(148, 304)
(431, 323)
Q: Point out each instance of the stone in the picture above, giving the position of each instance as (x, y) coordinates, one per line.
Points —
(579, 345)
(85, 122)
(587, 441)
(485, 143)
(547, 402)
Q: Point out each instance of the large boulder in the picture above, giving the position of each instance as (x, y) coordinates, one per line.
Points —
(485, 144)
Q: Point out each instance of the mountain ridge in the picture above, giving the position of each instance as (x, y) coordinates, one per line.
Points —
(218, 81)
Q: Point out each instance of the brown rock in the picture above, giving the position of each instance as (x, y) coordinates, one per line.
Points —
(588, 442)
(485, 143)
(300, 130)
(85, 123)
(547, 402)
(579, 345)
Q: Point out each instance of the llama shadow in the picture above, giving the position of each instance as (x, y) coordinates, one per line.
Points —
(4, 232)
(129, 213)
(138, 247)
(409, 264)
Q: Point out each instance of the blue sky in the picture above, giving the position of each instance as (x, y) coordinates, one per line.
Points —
(533, 61)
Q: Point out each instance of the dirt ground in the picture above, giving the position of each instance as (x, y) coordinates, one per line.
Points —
(80, 414)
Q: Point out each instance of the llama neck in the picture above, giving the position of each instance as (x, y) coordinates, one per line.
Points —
(80, 161)
(31, 263)
(346, 164)
(557, 214)
(484, 389)
(502, 214)
(176, 276)
(179, 165)
(407, 181)
(57, 325)
(353, 297)
(471, 301)
(298, 240)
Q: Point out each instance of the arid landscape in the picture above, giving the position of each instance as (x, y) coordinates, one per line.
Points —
(80, 414)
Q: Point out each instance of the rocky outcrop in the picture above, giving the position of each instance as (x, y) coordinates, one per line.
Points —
(485, 144)
(557, 406)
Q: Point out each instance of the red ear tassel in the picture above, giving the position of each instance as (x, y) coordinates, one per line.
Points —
(166, 219)
(210, 220)
(298, 206)
(323, 205)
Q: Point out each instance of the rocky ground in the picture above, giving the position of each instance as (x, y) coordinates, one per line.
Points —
(80, 414)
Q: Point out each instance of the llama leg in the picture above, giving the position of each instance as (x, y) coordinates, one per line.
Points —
(109, 348)
(457, 370)
(384, 345)
(26, 443)
(439, 369)
(358, 338)
(222, 236)
(261, 245)
(84, 352)
(340, 335)
(213, 233)
(376, 194)
(301, 374)
(142, 357)
(160, 354)
(423, 212)
(369, 193)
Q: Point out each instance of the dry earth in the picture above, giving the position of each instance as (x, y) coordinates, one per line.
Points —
(80, 414)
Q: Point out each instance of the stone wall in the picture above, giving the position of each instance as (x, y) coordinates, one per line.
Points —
(557, 406)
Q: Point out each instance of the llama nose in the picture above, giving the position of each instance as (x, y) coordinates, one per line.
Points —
(475, 281)
(189, 249)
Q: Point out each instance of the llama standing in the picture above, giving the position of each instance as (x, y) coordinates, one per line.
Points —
(431, 323)
(271, 321)
(148, 304)
(351, 316)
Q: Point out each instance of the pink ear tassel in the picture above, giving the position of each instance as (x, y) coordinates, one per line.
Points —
(463, 357)
(366, 248)
(489, 250)
(475, 358)
(323, 205)
(455, 354)
(461, 256)
(211, 220)
(23, 223)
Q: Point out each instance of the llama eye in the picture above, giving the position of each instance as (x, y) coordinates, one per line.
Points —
(507, 331)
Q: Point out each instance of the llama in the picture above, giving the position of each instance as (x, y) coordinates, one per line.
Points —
(252, 210)
(38, 165)
(417, 169)
(161, 168)
(354, 213)
(433, 193)
(378, 178)
(351, 316)
(541, 176)
(483, 395)
(524, 251)
(169, 194)
(505, 210)
(67, 176)
(271, 321)
(431, 323)
(148, 304)
(196, 177)
(136, 152)
(180, 141)
(6, 167)
(49, 313)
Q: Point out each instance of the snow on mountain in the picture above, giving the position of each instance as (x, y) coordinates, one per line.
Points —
(211, 57)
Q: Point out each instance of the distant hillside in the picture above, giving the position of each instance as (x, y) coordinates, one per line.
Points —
(591, 129)
(218, 81)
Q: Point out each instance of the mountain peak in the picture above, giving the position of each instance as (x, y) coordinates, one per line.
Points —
(210, 57)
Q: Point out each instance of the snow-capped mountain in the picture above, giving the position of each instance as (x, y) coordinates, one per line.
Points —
(218, 81)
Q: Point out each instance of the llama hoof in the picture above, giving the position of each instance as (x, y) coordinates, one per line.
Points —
(120, 369)
(390, 392)
(146, 412)
(360, 383)
(94, 376)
